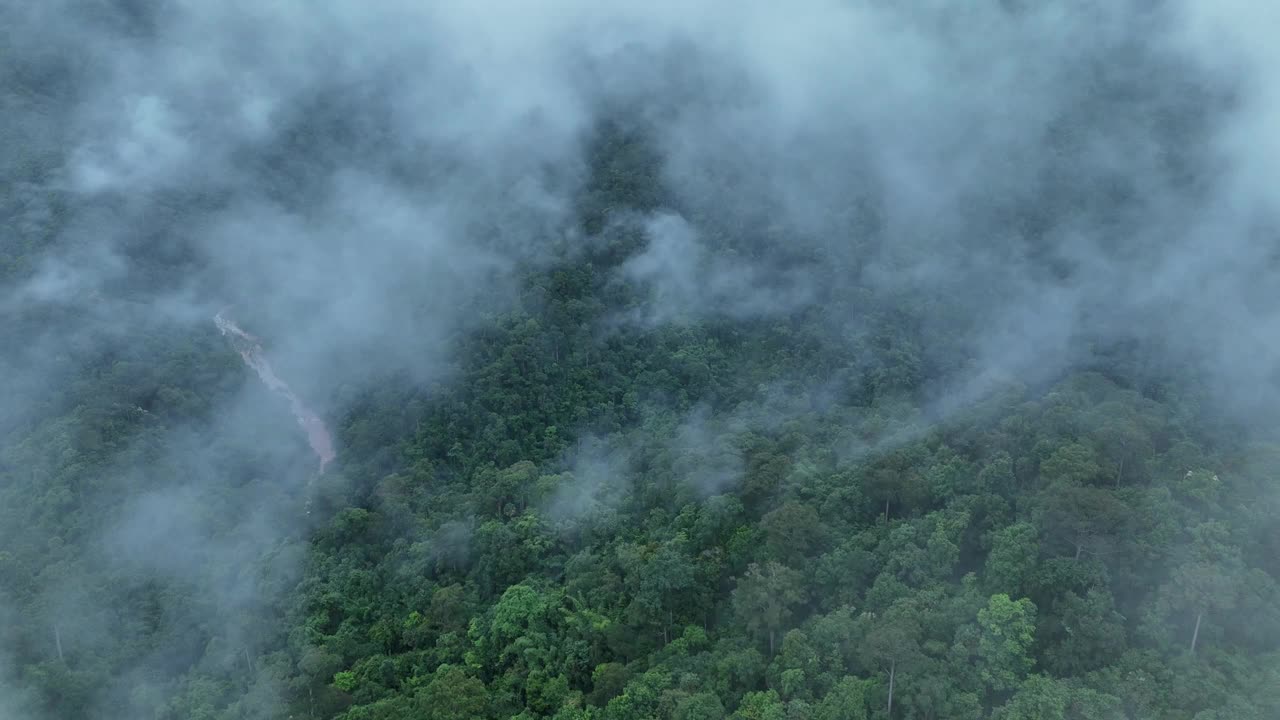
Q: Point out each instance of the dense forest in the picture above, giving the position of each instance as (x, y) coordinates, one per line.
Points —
(723, 394)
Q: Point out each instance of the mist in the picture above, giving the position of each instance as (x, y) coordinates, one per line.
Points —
(1023, 167)
(365, 183)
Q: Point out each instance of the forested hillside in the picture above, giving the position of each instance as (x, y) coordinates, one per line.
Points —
(715, 362)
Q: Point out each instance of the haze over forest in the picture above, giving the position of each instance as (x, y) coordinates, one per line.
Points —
(827, 360)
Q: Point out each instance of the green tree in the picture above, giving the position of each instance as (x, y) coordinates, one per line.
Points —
(518, 642)
(765, 598)
(643, 697)
(997, 475)
(1073, 464)
(892, 642)
(793, 532)
(451, 694)
(1043, 698)
(1206, 579)
(760, 706)
(845, 701)
(1014, 552)
(1087, 635)
(1038, 698)
(660, 581)
(796, 666)
(937, 692)
(699, 706)
(1126, 445)
(1087, 519)
(1007, 631)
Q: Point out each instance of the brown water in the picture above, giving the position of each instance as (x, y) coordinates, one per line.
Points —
(251, 350)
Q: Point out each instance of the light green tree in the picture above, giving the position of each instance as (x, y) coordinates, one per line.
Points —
(1007, 629)
(764, 705)
(846, 701)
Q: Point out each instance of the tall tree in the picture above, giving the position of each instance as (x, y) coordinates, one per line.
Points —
(1206, 579)
(765, 597)
(1007, 631)
(892, 642)
(845, 701)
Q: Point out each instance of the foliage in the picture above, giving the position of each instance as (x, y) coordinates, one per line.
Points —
(603, 521)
